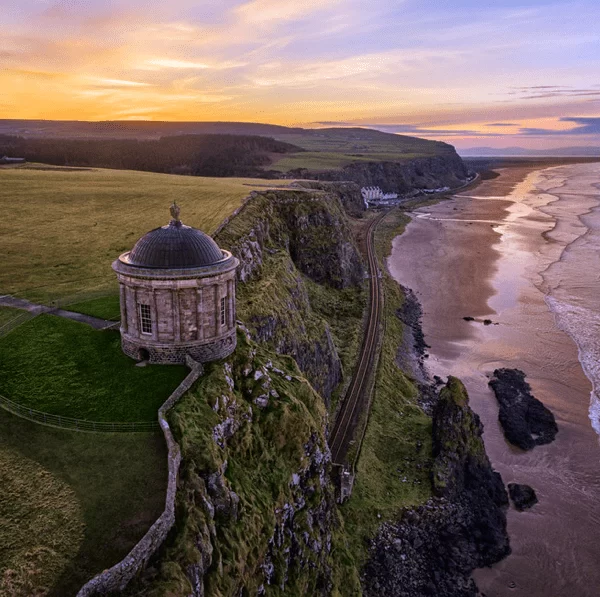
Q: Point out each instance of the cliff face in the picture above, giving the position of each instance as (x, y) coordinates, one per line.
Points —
(285, 240)
(432, 550)
(255, 507)
(420, 173)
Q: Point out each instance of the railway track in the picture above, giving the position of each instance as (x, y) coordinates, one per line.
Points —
(357, 398)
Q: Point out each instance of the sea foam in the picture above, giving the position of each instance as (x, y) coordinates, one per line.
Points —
(583, 325)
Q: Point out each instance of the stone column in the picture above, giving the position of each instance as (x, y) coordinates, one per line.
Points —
(136, 318)
(154, 312)
(176, 315)
(199, 312)
(217, 309)
(230, 305)
(123, 300)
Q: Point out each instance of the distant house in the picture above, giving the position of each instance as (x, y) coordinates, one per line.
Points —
(375, 196)
(6, 160)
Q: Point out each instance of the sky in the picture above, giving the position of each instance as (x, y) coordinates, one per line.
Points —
(473, 73)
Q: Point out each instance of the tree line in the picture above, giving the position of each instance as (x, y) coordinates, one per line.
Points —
(196, 155)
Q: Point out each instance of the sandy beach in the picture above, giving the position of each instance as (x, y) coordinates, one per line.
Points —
(519, 250)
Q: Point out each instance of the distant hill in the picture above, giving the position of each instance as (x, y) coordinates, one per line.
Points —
(522, 151)
(325, 149)
(196, 155)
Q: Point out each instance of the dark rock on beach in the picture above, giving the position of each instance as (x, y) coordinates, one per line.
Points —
(432, 550)
(526, 422)
(522, 496)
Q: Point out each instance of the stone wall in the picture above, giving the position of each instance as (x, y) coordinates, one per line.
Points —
(116, 578)
(169, 354)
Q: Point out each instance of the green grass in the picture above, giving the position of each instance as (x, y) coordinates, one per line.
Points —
(64, 227)
(396, 427)
(104, 307)
(333, 161)
(72, 504)
(8, 314)
(362, 141)
(261, 457)
(67, 368)
(334, 148)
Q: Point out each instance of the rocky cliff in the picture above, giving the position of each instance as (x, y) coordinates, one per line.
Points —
(399, 176)
(256, 511)
(433, 549)
(255, 507)
(287, 240)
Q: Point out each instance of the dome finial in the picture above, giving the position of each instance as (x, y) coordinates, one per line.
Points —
(175, 214)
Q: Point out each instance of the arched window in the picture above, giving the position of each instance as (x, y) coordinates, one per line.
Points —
(223, 311)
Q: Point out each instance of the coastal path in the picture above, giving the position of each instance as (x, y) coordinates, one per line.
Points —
(356, 402)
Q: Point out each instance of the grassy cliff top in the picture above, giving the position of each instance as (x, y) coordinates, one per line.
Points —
(63, 227)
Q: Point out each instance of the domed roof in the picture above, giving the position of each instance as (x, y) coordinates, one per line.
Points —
(175, 246)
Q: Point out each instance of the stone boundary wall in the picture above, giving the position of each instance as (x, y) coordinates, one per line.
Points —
(115, 579)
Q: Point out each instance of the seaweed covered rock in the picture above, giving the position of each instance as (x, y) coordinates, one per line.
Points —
(522, 496)
(432, 550)
(526, 422)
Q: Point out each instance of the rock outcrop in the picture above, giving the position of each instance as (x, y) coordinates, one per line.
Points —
(522, 496)
(432, 550)
(255, 506)
(282, 238)
(401, 177)
(526, 422)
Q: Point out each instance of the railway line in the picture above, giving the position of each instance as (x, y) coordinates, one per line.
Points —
(357, 396)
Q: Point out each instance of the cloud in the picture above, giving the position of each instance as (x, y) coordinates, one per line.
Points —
(501, 124)
(116, 83)
(261, 12)
(553, 91)
(587, 125)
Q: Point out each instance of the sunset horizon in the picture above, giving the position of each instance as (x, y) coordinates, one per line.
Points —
(524, 73)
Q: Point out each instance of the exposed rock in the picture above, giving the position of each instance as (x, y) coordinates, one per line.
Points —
(401, 177)
(300, 233)
(348, 192)
(526, 422)
(522, 496)
(432, 550)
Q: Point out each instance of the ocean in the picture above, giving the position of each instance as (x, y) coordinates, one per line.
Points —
(524, 252)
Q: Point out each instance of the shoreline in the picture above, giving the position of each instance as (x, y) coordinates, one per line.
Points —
(479, 252)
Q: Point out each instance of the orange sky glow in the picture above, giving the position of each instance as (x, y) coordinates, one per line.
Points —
(475, 74)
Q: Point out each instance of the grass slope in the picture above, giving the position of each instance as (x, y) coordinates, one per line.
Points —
(334, 148)
(65, 226)
(72, 504)
(67, 368)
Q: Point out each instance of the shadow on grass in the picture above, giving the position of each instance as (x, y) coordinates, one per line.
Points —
(118, 480)
(67, 368)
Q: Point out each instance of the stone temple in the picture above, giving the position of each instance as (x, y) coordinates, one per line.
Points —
(177, 292)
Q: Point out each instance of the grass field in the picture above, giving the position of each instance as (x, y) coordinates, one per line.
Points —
(67, 368)
(334, 148)
(72, 504)
(62, 227)
(104, 307)
(315, 160)
(7, 314)
(361, 140)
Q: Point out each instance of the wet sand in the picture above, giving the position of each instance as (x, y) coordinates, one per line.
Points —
(484, 254)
